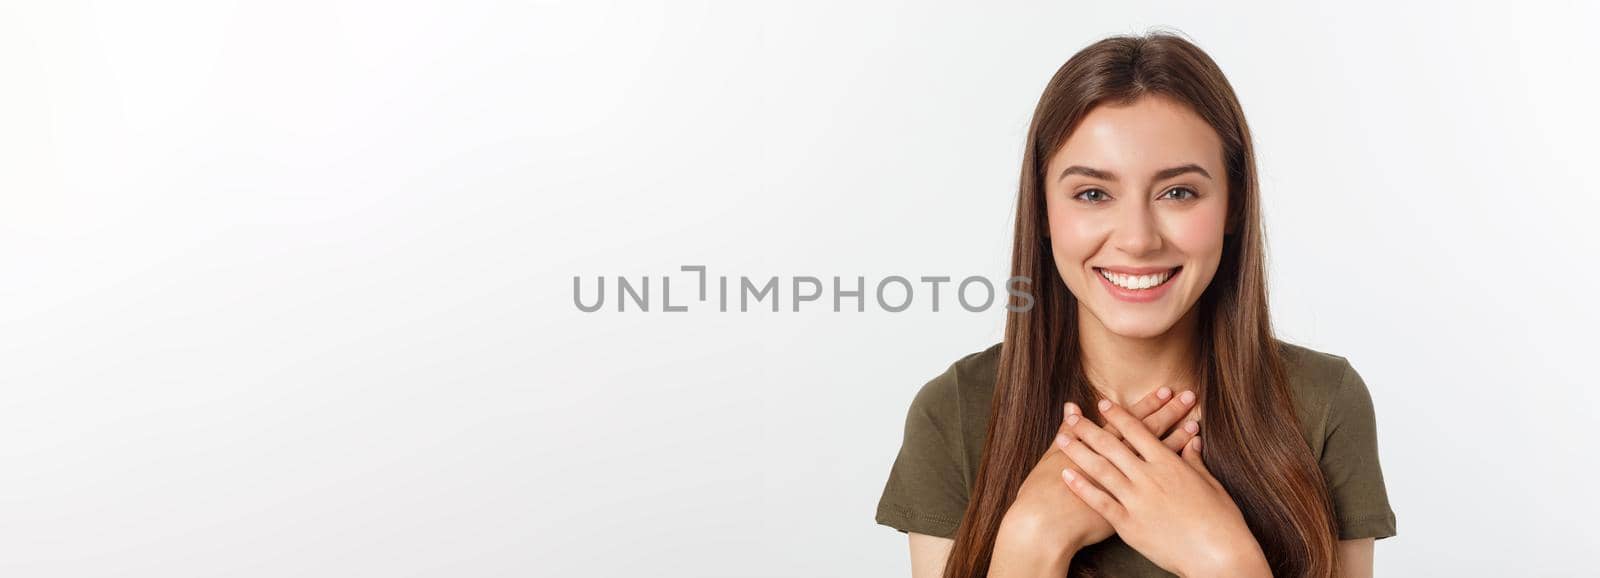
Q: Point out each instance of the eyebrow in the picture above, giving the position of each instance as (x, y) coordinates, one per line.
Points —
(1161, 175)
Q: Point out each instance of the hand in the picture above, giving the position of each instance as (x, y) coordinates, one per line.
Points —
(1158, 411)
(1060, 523)
(1169, 508)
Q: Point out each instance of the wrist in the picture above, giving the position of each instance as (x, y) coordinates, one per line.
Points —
(1246, 560)
(1021, 549)
(1048, 539)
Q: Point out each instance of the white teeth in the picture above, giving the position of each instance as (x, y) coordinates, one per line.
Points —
(1136, 282)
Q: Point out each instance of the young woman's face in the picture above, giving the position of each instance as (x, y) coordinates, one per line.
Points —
(1138, 191)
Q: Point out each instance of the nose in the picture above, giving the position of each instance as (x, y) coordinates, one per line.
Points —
(1137, 232)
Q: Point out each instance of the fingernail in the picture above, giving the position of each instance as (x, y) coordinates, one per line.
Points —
(1197, 444)
(1163, 393)
(1187, 397)
(1072, 408)
(1072, 419)
(1105, 404)
(1192, 427)
(1067, 473)
(1063, 441)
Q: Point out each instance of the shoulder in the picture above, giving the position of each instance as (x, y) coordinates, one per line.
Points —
(977, 370)
(956, 403)
(1310, 369)
(1342, 430)
(1325, 388)
(968, 379)
(935, 469)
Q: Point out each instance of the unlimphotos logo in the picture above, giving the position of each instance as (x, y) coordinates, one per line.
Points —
(893, 293)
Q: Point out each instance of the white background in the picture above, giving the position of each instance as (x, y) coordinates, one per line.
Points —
(286, 287)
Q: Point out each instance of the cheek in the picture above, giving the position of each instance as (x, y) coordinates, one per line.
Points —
(1073, 237)
(1198, 233)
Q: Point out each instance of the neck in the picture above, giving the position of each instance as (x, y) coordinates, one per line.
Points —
(1125, 369)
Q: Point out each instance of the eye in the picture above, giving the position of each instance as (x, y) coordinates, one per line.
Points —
(1188, 190)
(1100, 196)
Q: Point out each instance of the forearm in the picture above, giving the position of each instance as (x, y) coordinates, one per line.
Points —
(1246, 563)
(1018, 555)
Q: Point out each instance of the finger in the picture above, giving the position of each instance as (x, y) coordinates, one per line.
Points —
(1096, 498)
(1141, 439)
(1068, 409)
(1092, 464)
(1191, 454)
(1147, 405)
(1181, 436)
(1066, 412)
(1106, 446)
(1161, 421)
(1151, 402)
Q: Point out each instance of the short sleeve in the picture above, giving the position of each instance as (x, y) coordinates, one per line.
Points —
(1350, 462)
(927, 491)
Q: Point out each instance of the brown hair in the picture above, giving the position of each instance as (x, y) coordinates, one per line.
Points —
(1253, 444)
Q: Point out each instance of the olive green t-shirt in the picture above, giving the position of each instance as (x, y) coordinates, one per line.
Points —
(937, 465)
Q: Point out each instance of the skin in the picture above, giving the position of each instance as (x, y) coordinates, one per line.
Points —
(1161, 500)
(1111, 210)
(1167, 507)
(1050, 520)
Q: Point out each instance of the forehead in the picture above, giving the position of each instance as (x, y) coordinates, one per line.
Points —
(1144, 136)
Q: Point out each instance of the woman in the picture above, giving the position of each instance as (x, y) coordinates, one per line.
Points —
(1075, 446)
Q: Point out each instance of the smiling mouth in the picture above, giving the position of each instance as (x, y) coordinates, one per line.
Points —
(1139, 282)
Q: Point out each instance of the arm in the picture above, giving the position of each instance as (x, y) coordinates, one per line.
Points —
(1350, 464)
(1023, 549)
(1355, 558)
(929, 555)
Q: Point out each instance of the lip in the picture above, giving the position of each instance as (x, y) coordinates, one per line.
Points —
(1140, 295)
(1139, 270)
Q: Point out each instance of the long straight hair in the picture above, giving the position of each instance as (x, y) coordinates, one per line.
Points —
(1253, 444)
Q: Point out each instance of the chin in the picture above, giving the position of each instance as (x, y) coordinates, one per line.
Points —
(1138, 326)
(1140, 330)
